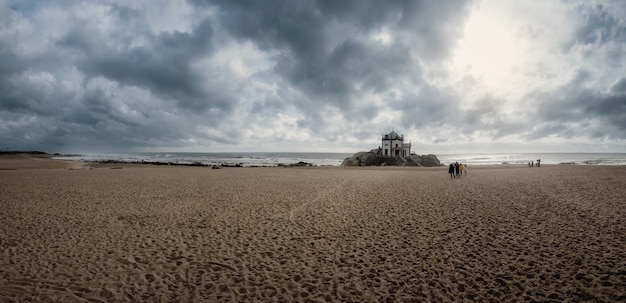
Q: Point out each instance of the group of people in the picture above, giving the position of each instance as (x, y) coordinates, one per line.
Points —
(456, 170)
(532, 163)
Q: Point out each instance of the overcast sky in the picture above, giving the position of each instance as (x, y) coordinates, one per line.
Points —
(206, 76)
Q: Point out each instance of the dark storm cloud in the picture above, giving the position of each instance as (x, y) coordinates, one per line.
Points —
(485, 117)
(129, 55)
(9, 61)
(602, 24)
(322, 46)
(575, 110)
(431, 107)
(11, 64)
(106, 76)
(162, 65)
(619, 87)
(323, 49)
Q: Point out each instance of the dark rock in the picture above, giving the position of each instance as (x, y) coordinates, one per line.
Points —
(29, 152)
(362, 159)
(374, 158)
(301, 163)
(424, 160)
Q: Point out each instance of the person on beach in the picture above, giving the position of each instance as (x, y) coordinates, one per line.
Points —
(451, 170)
(465, 169)
(461, 168)
(538, 162)
(456, 169)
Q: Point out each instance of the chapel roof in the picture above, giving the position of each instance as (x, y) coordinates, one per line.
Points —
(393, 136)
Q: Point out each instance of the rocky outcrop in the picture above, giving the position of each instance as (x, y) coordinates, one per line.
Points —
(424, 160)
(361, 159)
(374, 158)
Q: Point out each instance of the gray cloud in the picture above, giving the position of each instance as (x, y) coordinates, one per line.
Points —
(162, 65)
(603, 23)
(575, 110)
(323, 48)
(77, 74)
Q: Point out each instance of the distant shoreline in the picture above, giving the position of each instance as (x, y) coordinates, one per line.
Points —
(15, 155)
(16, 152)
(288, 159)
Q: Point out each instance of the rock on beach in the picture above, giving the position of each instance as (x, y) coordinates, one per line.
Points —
(373, 158)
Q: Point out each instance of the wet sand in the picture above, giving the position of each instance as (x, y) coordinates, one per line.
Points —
(76, 232)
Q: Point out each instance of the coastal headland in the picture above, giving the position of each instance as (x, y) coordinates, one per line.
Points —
(99, 232)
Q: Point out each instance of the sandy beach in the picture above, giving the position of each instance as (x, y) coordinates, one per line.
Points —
(78, 232)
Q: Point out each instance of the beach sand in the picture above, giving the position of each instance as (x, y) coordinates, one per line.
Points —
(142, 233)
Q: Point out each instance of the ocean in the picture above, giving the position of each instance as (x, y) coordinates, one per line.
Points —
(546, 158)
(264, 159)
(250, 159)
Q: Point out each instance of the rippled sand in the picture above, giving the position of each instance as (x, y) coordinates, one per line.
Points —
(75, 233)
